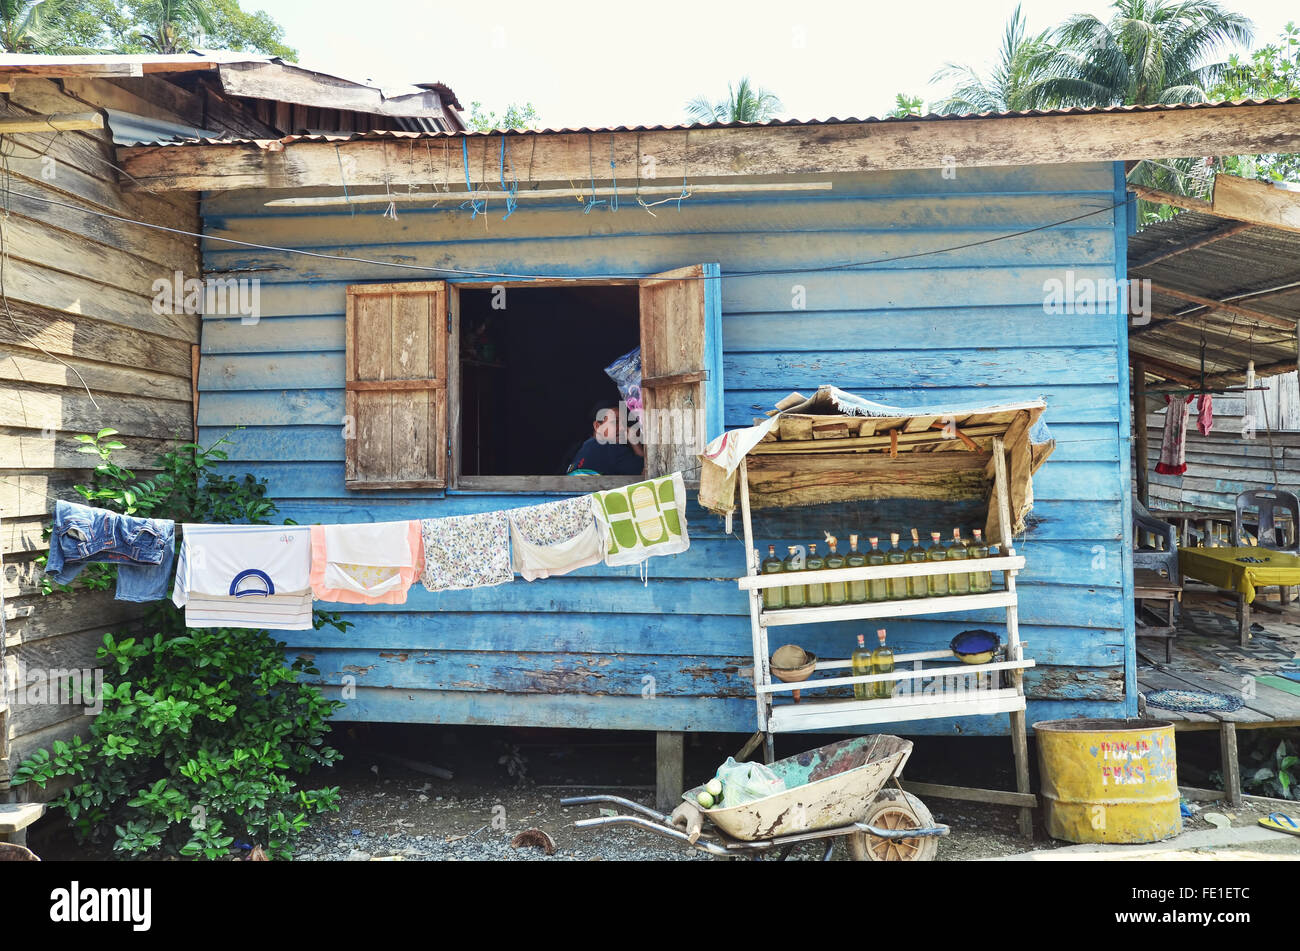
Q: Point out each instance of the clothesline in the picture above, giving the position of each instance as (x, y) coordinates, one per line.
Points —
(267, 576)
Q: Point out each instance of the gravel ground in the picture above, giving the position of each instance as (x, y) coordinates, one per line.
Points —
(390, 812)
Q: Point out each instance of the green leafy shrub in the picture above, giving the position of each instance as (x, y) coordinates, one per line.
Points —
(1272, 771)
(202, 731)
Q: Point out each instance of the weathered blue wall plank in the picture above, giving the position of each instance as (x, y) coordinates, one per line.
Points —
(968, 325)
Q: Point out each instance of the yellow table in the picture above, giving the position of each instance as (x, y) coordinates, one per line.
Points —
(1225, 568)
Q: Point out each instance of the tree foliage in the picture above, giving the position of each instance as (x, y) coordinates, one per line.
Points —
(1149, 51)
(517, 116)
(905, 105)
(156, 26)
(1271, 72)
(1015, 83)
(202, 732)
(744, 102)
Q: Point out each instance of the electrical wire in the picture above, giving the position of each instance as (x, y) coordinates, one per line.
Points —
(354, 259)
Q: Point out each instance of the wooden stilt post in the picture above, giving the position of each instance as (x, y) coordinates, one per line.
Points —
(1140, 432)
(1019, 738)
(1228, 757)
(670, 770)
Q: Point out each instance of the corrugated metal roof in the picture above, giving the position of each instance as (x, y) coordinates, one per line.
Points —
(151, 63)
(773, 123)
(1256, 268)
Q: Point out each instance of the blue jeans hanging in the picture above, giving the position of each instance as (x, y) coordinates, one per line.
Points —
(142, 549)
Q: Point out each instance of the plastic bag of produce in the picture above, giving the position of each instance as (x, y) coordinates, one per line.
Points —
(626, 374)
(745, 782)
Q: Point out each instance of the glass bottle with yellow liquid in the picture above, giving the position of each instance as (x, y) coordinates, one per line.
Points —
(981, 582)
(882, 662)
(837, 592)
(916, 586)
(861, 664)
(816, 592)
(936, 584)
(897, 587)
(773, 598)
(857, 590)
(796, 596)
(956, 551)
(878, 588)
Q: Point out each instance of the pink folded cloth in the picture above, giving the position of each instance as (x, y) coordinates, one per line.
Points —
(366, 563)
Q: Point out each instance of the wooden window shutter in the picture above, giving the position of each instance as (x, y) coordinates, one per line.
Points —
(397, 391)
(681, 367)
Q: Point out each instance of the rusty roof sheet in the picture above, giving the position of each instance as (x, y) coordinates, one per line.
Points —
(140, 64)
(1256, 268)
(773, 123)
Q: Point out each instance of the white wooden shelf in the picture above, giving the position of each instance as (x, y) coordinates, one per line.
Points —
(919, 672)
(922, 680)
(823, 714)
(780, 617)
(915, 569)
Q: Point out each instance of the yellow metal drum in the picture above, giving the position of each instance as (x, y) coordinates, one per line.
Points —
(1109, 780)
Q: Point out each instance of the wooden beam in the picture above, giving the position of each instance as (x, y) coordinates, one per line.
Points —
(1259, 202)
(1227, 231)
(1271, 320)
(87, 67)
(1185, 202)
(1139, 371)
(1232, 377)
(580, 193)
(1169, 371)
(58, 122)
(1242, 199)
(807, 149)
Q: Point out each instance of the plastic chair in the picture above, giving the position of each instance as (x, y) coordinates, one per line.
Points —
(1268, 502)
(1155, 575)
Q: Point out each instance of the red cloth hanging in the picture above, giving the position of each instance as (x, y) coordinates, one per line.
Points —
(1173, 445)
(1205, 418)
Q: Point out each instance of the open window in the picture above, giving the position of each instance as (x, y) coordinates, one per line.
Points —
(506, 376)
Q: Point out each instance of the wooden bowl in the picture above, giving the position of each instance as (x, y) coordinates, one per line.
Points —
(791, 664)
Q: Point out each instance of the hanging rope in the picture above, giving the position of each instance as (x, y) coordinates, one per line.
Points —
(592, 201)
(613, 202)
(390, 211)
(511, 191)
(477, 206)
(344, 179)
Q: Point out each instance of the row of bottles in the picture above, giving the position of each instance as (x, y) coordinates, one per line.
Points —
(890, 589)
(878, 661)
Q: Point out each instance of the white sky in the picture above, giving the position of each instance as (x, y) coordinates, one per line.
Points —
(630, 62)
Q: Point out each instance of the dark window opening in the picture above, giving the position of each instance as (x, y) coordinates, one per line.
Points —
(532, 367)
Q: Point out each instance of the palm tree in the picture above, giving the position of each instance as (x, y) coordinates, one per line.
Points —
(20, 26)
(1015, 83)
(174, 25)
(744, 103)
(1151, 51)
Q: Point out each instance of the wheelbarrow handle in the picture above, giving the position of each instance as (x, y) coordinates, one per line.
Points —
(617, 801)
(667, 831)
(935, 830)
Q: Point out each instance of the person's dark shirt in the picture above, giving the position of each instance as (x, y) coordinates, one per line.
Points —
(607, 458)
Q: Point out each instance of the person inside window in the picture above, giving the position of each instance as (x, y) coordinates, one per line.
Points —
(604, 452)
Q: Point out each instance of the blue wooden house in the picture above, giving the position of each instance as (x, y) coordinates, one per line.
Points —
(915, 261)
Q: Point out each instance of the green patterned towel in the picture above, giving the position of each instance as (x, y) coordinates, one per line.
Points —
(643, 519)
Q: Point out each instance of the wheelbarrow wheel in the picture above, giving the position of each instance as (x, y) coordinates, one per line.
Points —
(894, 809)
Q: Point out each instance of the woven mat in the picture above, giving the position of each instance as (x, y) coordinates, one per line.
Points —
(1193, 701)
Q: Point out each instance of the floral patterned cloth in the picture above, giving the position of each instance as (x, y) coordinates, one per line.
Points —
(466, 551)
(555, 538)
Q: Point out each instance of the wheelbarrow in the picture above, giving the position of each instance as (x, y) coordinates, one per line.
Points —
(833, 792)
